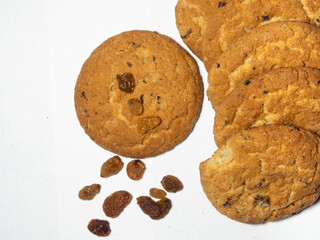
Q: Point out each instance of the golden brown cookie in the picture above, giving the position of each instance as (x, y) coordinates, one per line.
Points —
(263, 174)
(289, 96)
(191, 19)
(139, 94)
(238, 17)
(275, 45)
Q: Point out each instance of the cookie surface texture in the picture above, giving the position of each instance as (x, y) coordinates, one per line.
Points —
(287, 96)
(139, 94)
(263, 174)
(275, 45)
(238, 17)
(192, 17)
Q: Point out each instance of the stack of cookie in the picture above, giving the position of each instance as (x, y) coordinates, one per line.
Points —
(263, 59)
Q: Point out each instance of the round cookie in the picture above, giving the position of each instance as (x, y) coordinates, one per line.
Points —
(289, 96)
(238, 17)
(275, 45)
(139, 94)
(191, 19)
(263, 174)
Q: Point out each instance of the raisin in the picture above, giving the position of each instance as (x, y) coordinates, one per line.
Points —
(165, 206)
(247, 82)
(100, 228)
(157, 193)
(265, 18)
(147, 123)
(88, 192)
(319, 82)
(171, 184)
(83, 95)
(135, 106)
(218, 65)
(111, 167)
(261, 200)
(141, 98)
(129, 64)
(186, 34)
(149, 206)
(116, 203)
(265, 91)
(155, 210)
(221, 4)
(126, 82)
(135, 169)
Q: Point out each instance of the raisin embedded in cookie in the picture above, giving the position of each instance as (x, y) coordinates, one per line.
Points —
(139, 94)
(263, 174)
(191, 19)
(275, 45)
(239, 17)
(288, 96)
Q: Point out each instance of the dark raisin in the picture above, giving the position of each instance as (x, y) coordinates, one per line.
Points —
(317, 20)
(261, 200)
(158, 99)
(100, 228)
(226, 205)
(254, 68)
(147, 123)
(153, 58)
(141, 98)
(247, 82)
(218, 65)
(186, 34)
(265, 91)
(83, 95)
(126, 82)
(226, 122)
(221, 4)
(265, 17)
(88, 192)
(157, 193)
(171, 183)
(129, 64)
(149, 206)
(111, 167)
(302, 205)
(314, 98)
(135, 106)
(116, 203)
(135, 169)
(165, 206)
(319, 82)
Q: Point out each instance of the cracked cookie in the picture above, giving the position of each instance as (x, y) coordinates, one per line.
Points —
(289, 96)
(263, 174)
(139, 94)
(237, 17)
(191, 20)
(271, 46)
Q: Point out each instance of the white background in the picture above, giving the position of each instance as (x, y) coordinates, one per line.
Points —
(46, 158)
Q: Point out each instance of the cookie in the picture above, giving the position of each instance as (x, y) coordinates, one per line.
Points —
(191, 19)
(139, 94)
(275, 45)
(263, 174)
(239, 17)
(289, 96)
